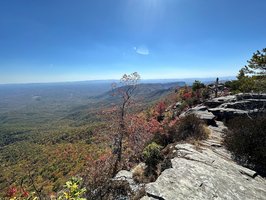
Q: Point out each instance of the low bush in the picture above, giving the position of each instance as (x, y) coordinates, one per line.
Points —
(163, 139)
(246, 139)
(139, 173)
(152, 156)
(72, 191)
(189, 127)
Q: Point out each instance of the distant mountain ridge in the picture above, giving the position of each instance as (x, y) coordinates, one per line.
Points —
(148, 91)
(109, 81)
(144, 95)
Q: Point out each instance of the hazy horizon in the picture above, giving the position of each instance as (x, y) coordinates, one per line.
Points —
(164, 80)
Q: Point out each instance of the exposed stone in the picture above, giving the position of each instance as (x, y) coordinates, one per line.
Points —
(219, 101)
(200, 108)
(125, 178)
(205, 175)
(206, 172)
(217, 131)
(201, 112)
(205, 115)
(128, 176)
(249, 104)
(248, 172)
(177, 105)
(227, 113)
(229, 106)
(148, 198)
(242, 96)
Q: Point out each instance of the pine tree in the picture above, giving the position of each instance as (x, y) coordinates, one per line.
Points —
(257, 64)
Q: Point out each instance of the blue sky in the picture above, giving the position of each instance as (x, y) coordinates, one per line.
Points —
(72, 40)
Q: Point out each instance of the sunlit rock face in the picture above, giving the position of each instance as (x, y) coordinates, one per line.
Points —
(228, 107)
(202, 113)
(206, 172)
(205, 175)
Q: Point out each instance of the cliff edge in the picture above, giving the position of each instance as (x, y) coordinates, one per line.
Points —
(206, 171)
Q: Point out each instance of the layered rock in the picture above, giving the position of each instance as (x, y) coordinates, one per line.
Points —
(242, 96)
(202, 113)
(237, 105)
(215, 102)
(206, 172)
(224, 108)
(205, 175)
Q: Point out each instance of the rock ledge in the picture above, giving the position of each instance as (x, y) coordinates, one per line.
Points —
(206, 172)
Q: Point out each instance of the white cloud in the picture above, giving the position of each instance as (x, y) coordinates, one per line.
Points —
(142, 50)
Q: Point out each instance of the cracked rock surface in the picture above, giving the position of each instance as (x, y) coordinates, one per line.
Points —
(237, 105)
(206, 172)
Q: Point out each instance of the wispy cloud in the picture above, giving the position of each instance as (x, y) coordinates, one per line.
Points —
(142, 50)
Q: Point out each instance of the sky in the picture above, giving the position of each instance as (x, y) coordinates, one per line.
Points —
(74, 40)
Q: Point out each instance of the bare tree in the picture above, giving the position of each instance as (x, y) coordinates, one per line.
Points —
(128, 85)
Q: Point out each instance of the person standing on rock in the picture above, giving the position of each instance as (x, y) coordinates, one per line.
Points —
(216, 87)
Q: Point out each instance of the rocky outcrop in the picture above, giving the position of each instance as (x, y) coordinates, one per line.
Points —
(237, 105)
(202, 113)
(215, 102)
(205, 175)
(224, 108)
(130, 189)
(127, 176)
(206, 172)
(242, 96)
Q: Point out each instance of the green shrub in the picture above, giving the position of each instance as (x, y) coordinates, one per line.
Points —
(73, 190)
(152, 156)
(186, 128)
(197, 85)
(190, 127)
(246, 139)
(163, 138)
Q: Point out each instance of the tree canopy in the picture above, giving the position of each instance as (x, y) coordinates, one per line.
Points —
(197, 85)
(257, 64)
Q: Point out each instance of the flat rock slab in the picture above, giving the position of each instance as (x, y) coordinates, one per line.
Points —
(220, 100)
(201, 112)
(204, 174)
(205, 115)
